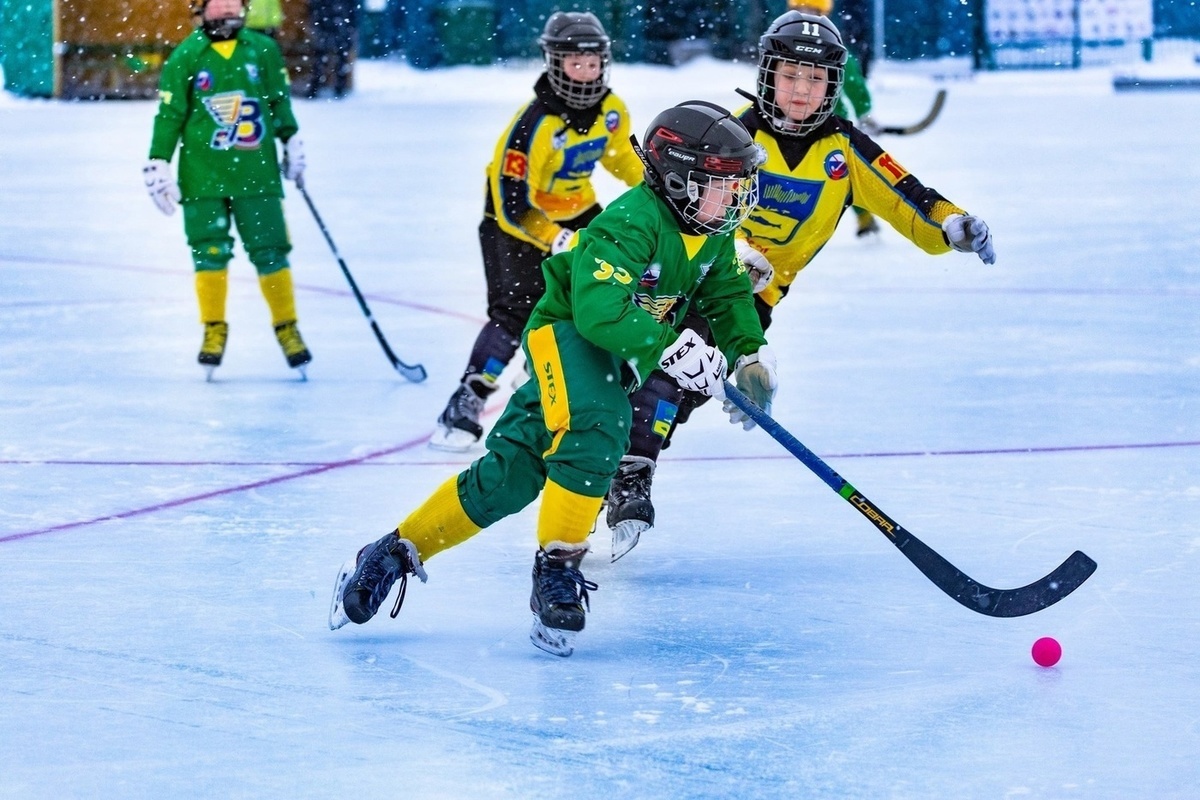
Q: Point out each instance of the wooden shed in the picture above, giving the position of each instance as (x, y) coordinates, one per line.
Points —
(95, 49)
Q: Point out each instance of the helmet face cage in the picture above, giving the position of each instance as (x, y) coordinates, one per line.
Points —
(777, 115)
(719, 204)
(571, 34)
(704, 164)
(219, 29)
(808, 46)
(576, 94)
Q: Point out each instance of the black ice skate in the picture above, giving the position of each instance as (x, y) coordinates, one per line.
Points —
(458, 426)
(560, 594)
(363, 583)
(212, 349)
(630, 512)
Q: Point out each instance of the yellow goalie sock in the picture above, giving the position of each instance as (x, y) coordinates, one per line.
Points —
(280, 296)
(439, 523)
(212, 285)
(566, 518)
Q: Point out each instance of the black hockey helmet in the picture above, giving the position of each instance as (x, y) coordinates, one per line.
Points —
(699, 159)
(568, 33)
(799, 39)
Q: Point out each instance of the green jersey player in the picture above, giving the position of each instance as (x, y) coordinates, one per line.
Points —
(224, 99)
(612, 313)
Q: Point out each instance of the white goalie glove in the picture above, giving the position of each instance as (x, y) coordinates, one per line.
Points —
(755, 376)
(968, 234)
(695, 365)
(756, 264)
(161, 185)
(293, 160)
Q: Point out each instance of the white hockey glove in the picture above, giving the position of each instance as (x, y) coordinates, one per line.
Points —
(968, 234)
(694, 365)
(755, 376)
(562, 242)
(161, 185)
(293, 160)
(756, 264)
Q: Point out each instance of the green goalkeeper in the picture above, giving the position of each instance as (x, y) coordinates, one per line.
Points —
(225, 98)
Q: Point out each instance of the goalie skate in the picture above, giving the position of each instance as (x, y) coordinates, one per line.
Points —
(337, 614)
(212, 350)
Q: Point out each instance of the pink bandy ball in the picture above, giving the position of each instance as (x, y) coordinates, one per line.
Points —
(1046, 651)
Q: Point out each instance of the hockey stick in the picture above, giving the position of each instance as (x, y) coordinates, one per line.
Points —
(415, 372)
(993, 602)
(921, 125)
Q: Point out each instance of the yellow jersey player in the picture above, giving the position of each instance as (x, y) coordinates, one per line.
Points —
(539, 193)
(817, 165)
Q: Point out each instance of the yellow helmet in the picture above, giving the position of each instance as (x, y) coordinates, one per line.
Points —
(822, 7)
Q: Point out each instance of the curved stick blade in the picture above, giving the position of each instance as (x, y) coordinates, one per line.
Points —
(1046, 591)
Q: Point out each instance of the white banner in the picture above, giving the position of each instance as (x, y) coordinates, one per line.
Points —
(1028, 21)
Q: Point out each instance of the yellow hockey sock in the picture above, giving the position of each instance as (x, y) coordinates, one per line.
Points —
(566, 518)
(439, 523)
(281, 297)
(212, 285)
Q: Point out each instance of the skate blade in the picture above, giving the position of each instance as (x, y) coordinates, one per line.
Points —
(337, 614)
(552, 640)
(303, 370)
(625, 536)
(453, 441)
(208, 372)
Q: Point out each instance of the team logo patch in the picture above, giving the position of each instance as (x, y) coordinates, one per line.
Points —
(658, 307)
(649, 279)
(579, 160)
(204, 80)
(612, 121)
(835, 166)
(784, 204)
(515, 165)
(239, 121)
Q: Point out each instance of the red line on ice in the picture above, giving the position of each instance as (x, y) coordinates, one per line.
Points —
(183, 501)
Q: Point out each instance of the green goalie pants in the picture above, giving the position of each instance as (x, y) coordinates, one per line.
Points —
(260, 223)
(568, 427)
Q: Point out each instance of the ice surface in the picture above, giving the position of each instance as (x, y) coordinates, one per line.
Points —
(168, 546)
